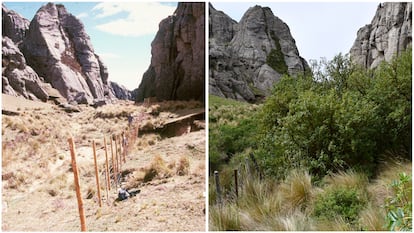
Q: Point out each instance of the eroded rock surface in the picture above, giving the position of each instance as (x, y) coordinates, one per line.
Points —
(18, 79)
(177, 65)
(248, 57)
(389, 33)
(58, 49)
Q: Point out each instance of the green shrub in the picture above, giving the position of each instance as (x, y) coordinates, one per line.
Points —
(344, 117)
(232, 129)
(341, 202)
(275, 58)
(392, 93)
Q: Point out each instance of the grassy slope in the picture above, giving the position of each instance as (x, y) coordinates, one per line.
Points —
(290, 204)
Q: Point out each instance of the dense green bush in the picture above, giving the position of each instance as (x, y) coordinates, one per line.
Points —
(342, 117)
(341, 202)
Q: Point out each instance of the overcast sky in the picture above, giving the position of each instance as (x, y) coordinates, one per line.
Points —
(320, 29)
(121, 33)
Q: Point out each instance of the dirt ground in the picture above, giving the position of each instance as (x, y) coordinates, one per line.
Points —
(37, 187)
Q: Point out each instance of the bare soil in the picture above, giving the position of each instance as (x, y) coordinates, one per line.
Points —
(37, 181)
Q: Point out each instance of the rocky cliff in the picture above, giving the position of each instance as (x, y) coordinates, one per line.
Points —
(177, 65)
(389, 33)
(14, 25)
(248, 57)
(58, 49)
(18, 79)
(53, 49)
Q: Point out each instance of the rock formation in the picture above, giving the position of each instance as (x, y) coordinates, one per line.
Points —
(389, 33)
(17, 77)
(177, 65)
(248, 57)
(121, 92)
(53, 52)
(58, 49)
(14, 25)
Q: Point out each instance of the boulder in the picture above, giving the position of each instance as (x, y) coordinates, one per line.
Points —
(177, 65)
(389, 33)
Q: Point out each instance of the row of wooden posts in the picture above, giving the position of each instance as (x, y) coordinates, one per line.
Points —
(122, 143)
(236, 178)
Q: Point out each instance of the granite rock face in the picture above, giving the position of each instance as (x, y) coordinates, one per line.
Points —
(58, 49)
(18, 79)
(121, 92)
(14, 25)
(53, 53)
(177, 65)
(389, 33)
(248, 57)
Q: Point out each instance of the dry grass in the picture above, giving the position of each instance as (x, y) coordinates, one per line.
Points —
(373, 218)
(37, 164)
(172, 106)
(297, 189)
(158, 168)
(267, 206)
(224, 218)
(348, 179)
(183, 166)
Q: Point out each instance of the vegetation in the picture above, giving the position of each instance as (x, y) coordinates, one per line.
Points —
(324, 151)
(276, 59)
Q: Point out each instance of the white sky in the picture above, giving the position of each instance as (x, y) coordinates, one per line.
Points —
(320, 29)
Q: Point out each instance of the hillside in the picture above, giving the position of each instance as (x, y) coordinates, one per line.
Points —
(38, 189)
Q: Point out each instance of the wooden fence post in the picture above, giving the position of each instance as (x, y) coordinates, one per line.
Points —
(118, 165)
(77, 187)
(124, 146)
(236, 183)
(107, 166)
(216, 176)
(113, 161)
(96, 174)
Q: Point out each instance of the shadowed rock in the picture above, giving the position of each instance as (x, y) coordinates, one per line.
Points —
(248, 57)
(18, 79)
(177, 64)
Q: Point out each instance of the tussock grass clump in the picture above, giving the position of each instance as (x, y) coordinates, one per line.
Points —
(158, 168)
(297, 189)
(224, 218)
(297, 221)
(348, 179)
(183, 166)
(372, 218)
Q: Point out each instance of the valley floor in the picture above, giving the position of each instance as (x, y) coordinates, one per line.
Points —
(38, 192)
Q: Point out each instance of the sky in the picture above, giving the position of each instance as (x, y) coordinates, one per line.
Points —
(121, 32)
(320, 29)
